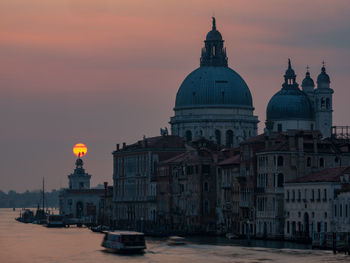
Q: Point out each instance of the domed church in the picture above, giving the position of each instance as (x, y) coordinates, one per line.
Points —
(306, 109)
(213, 101)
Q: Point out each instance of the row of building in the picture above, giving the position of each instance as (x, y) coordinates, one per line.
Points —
(275, 185)
(215, 174)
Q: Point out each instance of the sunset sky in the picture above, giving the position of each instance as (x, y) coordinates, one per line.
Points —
(103, 72)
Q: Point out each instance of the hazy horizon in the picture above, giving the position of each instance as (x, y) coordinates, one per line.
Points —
(106, 72)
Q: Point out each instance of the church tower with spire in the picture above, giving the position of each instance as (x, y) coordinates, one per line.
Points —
(324, 104)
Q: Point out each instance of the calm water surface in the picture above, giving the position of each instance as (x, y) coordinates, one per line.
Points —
(34, 243)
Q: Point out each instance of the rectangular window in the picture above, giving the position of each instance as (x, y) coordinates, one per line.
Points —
(205, 169)
(346, 210)
(279, 127)
(335, 210)
(340, 210)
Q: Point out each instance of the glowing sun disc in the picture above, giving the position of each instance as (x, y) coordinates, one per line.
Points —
(80, 149)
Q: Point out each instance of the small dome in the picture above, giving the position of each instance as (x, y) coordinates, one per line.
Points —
(323, 77)
(289, 104)
(219, 86)
(308, 81)
(213, 35)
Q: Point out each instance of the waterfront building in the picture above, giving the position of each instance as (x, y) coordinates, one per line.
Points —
(214, 102)
(311, 204)
(187, 197)
(308, 109)
(228, 201)
(135, 169)
(79, 200)
(341, 204)
(288, 156)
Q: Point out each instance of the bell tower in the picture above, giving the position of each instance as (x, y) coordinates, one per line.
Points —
(324, 104)
(79, 179)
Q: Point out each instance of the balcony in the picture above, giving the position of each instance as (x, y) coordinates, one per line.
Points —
(260, 190)
(227, 206)
(244, 203)
(151, 198)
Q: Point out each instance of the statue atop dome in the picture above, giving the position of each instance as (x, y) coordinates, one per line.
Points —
(214, 53)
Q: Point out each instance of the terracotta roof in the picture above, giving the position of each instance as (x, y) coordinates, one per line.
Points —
(325, 175)
(231, 160)
(176, 159)
(258, 138)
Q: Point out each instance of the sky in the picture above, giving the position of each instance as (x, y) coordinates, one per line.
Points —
(104, 72)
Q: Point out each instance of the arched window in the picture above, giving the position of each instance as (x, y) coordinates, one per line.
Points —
(229, 138)
(308, 162)
(218, 136)
(327, 104)
(206, 207)
(321, 162)
(206, 187)
(280, 161)
(280, 180)
(322, 103)
(188, 136)
(155, 167)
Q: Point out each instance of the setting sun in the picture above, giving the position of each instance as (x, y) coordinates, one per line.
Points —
(80, 149)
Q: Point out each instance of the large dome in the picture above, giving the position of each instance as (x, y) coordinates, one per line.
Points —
(289, 104)
(213, 86)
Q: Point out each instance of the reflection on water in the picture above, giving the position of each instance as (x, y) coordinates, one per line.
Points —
(34, 243)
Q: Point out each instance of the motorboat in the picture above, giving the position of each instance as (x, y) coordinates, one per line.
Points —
(124, 241)
(55, 221)
(176, 241)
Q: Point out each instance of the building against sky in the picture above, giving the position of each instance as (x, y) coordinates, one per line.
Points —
(213, 101)
(306, 109)
(79, 200)
(135, 171)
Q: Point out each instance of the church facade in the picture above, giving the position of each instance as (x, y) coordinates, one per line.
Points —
(213, 101)
(308, 108)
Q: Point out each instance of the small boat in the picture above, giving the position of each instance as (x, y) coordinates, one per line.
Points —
(55, 221)
(26, 217)
(99, 229)
(231, 236)
(176, 241)
(124, 241)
